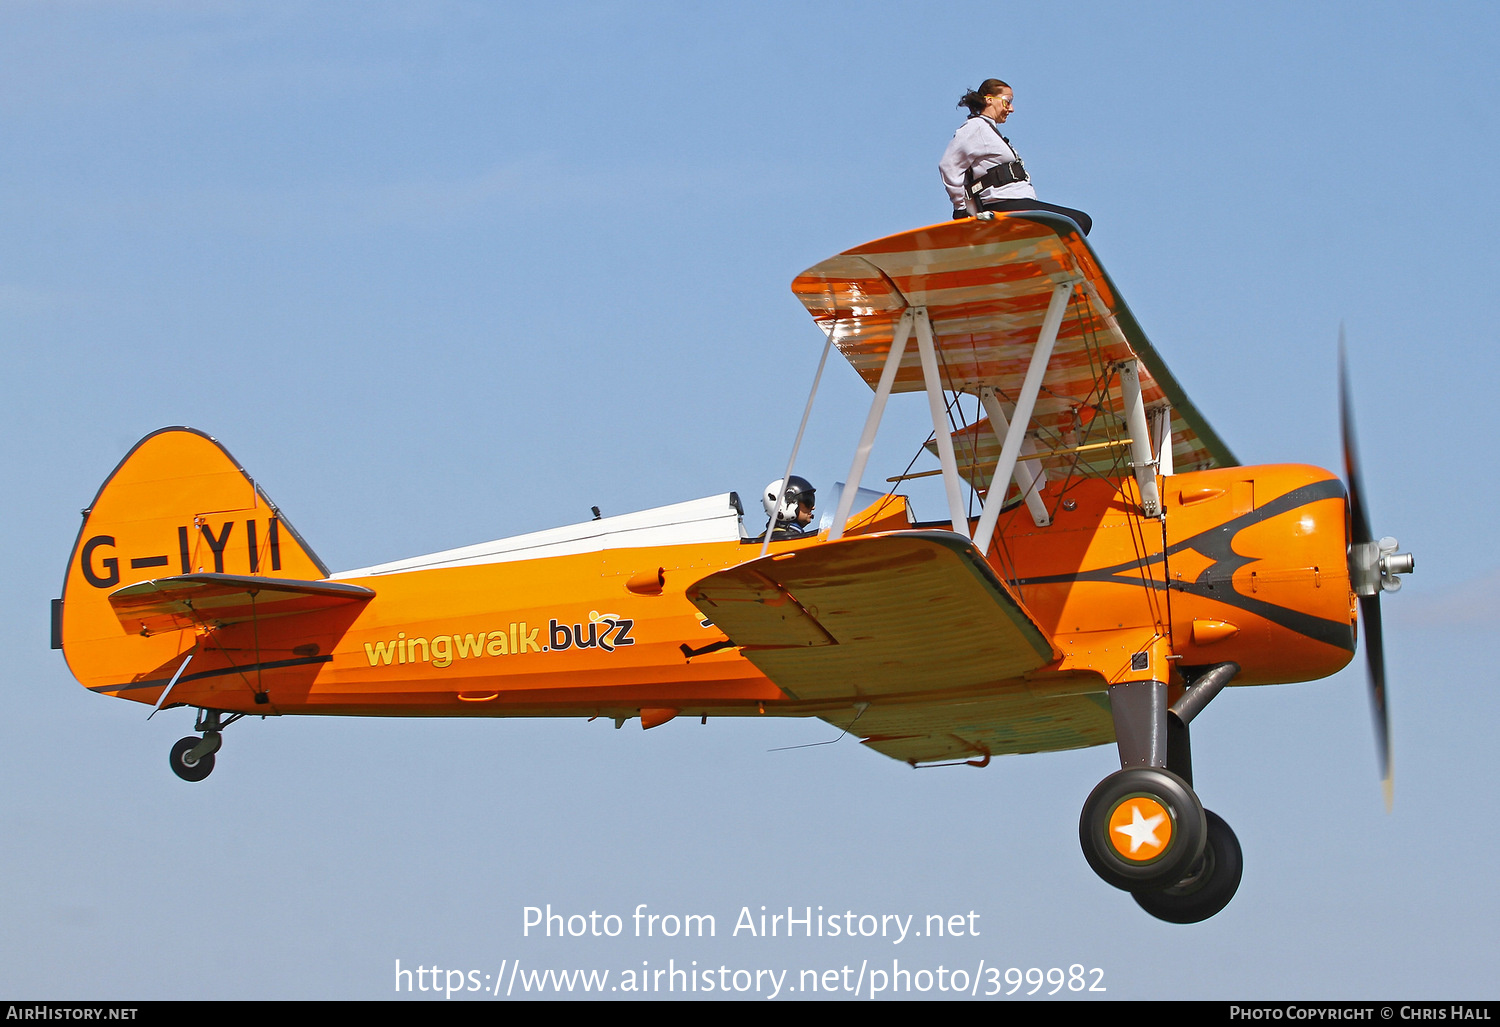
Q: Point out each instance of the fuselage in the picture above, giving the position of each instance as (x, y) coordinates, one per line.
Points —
(1246, 565)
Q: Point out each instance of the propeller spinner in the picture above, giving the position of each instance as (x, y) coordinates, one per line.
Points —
(1374, 566)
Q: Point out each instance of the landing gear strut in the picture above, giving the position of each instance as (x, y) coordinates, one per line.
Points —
(1143, 829)
(192, 758)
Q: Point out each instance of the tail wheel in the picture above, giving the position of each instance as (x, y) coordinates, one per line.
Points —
(1210, 884)
(186, 767)
(1142, 829)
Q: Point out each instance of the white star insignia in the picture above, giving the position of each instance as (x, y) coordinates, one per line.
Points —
(1141, 830)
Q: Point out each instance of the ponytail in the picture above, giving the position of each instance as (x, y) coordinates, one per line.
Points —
(975, 99)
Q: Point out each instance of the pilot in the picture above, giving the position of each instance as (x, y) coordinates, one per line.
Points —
(982, 171)
(796, 511)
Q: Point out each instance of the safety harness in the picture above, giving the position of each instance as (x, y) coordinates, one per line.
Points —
(1001, 174)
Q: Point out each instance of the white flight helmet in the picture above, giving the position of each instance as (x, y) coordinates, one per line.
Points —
(798, 490)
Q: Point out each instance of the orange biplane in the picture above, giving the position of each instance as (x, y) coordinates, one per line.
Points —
(1122, 569)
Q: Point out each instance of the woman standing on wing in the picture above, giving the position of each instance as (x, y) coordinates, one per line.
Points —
(982, 171)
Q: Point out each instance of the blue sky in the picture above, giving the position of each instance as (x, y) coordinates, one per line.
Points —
(442, 272)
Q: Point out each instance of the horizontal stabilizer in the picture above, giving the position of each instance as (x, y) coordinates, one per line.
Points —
(189, 600)
(898, 614)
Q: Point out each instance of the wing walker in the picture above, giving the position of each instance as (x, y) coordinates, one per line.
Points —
(1105, 568)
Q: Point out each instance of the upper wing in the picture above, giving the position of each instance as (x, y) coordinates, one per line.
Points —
(986, 286)
(189, 600)
(907, 615)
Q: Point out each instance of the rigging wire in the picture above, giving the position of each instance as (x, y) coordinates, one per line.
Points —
(1120, 468)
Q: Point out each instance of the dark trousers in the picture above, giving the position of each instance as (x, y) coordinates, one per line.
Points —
(1079, 217)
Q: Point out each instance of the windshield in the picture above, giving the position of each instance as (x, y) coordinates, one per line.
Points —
(828, 503)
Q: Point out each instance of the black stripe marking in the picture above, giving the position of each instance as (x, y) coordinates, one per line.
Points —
(1216, 581)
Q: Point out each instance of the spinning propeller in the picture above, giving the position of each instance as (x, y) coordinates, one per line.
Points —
(1373, 569)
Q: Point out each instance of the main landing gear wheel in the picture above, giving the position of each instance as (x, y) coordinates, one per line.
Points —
(1142, 829)
(188, 767)
(1210, 884)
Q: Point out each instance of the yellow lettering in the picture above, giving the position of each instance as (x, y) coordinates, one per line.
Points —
(380, 652)
(469, 645)
(442, 650)
(528, 639)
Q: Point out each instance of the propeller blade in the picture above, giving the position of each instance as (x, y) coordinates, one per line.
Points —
(1364, 557)
(1358, 518)
(1369, 613)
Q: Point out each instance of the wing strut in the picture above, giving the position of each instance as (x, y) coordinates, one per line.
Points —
(872, 422)
(1029, 474)
(1140, 437)
(1146, 468)
(952, 484)
(1025, 403)
(1161, 437)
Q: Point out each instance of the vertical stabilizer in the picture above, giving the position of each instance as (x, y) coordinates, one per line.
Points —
(177, 504)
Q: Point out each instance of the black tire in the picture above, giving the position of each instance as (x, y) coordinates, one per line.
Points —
(197, 770)
(1173, 808)
(1210, 884)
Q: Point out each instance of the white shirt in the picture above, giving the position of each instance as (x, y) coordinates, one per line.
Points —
(978, 145)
